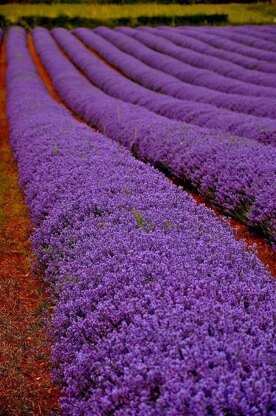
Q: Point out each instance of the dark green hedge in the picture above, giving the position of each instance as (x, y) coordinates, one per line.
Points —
(72, 22)
(4, 22)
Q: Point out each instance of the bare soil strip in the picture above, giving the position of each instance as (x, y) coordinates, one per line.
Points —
(26, 387)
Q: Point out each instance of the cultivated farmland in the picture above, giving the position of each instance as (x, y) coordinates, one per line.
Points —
(139, 152)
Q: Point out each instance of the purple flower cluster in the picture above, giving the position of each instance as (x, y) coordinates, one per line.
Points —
(159, 81)
(172, 59)
(265, 35)
(228, 78)
(218, 41)
(234, 60)
(243, 38)
(159, 310)
(116, 85)
(164, 83)
(234, 173)
(258, 32)
(266, 30)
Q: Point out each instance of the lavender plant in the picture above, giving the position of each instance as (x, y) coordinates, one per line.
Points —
(171, 59)
(101, 75)
(244, 82)
(157, 80)
(171, 321)
(234, 173)
(233, 59)
(219, 42)
(258, 32)
(243, 38)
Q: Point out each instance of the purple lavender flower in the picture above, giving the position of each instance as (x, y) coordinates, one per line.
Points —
(206, 115)
(243, 38)
(234, 59)
(227, 75)
(192, 154)
(159, 310)
(255, 32)
(157, 80)
(218, 41)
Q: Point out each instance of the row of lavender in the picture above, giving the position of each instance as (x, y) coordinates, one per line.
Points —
(255, 33)
(247, 39)
(140, 64)
(187, 66)
(177, 318)
(253, 82)
(101, 75)
(235, 58)
(218, 41)
(236, 174)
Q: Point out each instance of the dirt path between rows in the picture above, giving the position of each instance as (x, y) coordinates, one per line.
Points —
(26, 387)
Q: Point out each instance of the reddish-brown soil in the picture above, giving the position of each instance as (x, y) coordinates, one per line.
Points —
(26, 387)
(97, 55)
(264, 251)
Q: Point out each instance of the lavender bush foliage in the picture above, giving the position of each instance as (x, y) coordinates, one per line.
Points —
(171, 59)
(112, 83)
(234, 60)
(234, 173)
(164, 83)
(243, 38)
(267, 28)
(267, 31)
(219, 42)
(254, 31)
(229, 77)
(159, 310)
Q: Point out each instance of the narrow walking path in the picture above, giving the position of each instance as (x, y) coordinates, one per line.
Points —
(26, 387)
(264, 251)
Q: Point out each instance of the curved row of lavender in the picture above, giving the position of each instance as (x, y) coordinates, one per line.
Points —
(263, 33)
(168, 84)
(159, 310)
(256, 29)
(258, 32)
(237, 175)
(219, 42)
(268, 29)
(242, 81)
(242, 38)
(171, 59)
(114, 84)
(233, 60)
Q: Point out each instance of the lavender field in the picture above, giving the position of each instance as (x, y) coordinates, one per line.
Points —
(159, 309)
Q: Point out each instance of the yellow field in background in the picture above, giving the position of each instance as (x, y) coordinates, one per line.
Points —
(237, 13)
